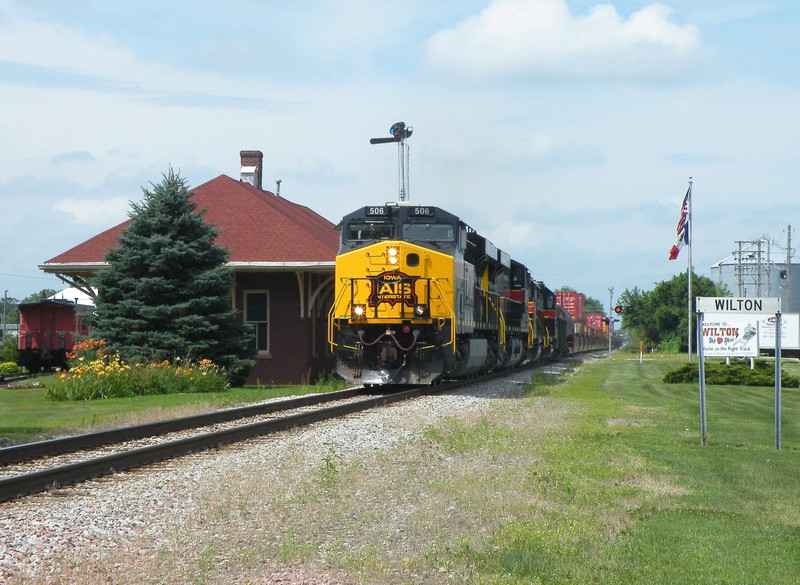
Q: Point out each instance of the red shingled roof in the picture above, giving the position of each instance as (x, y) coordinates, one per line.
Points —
(255, 226)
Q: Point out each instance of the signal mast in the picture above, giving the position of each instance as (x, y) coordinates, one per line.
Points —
(399, 133)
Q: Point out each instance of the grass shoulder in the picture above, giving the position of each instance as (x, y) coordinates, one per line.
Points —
(26, 414)
(600, 479)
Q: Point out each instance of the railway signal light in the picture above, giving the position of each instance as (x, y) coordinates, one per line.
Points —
(618, 309)
(399, 132)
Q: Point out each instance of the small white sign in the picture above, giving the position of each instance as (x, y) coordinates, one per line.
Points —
(738, 305)
(790, 331)
(730, 336)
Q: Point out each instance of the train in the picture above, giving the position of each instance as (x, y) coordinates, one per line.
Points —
(421, 297)
(48, 331)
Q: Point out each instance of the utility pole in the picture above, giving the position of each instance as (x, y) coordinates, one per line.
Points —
(5, 303)
(610, 317)
(739, 270)
(789, 268)
(751, 270)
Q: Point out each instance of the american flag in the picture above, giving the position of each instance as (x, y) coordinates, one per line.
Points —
(683, 227)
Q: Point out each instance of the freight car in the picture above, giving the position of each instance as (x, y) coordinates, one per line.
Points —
(48, 331)
(421, 296)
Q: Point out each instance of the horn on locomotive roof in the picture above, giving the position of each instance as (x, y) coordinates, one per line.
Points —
(399, 133)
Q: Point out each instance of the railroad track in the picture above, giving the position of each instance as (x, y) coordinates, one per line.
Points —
(36, 467)
(13, 378)
(72, 444)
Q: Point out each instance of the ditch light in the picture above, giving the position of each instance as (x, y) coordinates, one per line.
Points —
(358, 313)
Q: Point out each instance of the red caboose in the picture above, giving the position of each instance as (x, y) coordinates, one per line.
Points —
(47, 331)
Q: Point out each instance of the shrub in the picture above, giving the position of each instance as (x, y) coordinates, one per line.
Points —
(8, 349)
(96, 372)
(670, 345)
(180, 377)
(105, 376)
(9, 368)
(734, 374)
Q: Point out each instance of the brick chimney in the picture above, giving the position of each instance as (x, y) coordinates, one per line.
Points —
(252, 161)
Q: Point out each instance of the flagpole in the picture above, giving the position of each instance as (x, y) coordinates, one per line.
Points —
(689, 270)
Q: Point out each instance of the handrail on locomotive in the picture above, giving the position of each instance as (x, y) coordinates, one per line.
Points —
(348, 284)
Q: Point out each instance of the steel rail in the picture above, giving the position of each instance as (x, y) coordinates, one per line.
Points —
(15, 487)
(35, 450)
(13, 378)
(30, 483)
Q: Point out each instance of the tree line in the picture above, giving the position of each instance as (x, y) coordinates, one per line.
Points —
(658, 318)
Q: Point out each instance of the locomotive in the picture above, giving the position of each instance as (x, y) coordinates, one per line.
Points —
(48, 331)
(420, 296)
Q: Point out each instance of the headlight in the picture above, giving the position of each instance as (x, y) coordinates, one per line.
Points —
(359, 312)
(393, 255)
(422, 312)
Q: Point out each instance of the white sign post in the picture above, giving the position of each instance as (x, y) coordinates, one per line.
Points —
(737, 335)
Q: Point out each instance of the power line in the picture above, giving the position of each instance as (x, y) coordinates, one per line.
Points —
(26, 276)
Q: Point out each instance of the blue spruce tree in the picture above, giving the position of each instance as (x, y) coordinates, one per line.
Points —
(166, 292)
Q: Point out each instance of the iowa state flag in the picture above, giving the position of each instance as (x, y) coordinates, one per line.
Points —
(683, 228)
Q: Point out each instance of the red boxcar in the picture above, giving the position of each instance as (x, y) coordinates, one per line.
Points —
(573, 302)
(596, 321)
(47, 331)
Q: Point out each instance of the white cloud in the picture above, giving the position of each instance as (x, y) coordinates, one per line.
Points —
(541, 37)
(99, 212)
(60, 54)
(52, 45)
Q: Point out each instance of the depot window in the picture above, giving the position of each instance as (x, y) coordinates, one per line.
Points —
(256, 312)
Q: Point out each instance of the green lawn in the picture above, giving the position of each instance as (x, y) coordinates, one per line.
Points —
(638, 499)
(26, 415)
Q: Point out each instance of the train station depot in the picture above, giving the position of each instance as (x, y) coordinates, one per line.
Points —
(282, 261)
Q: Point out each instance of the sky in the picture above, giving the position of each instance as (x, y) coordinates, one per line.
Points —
(565, 131)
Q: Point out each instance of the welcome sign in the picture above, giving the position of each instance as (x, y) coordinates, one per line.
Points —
(729, 335)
